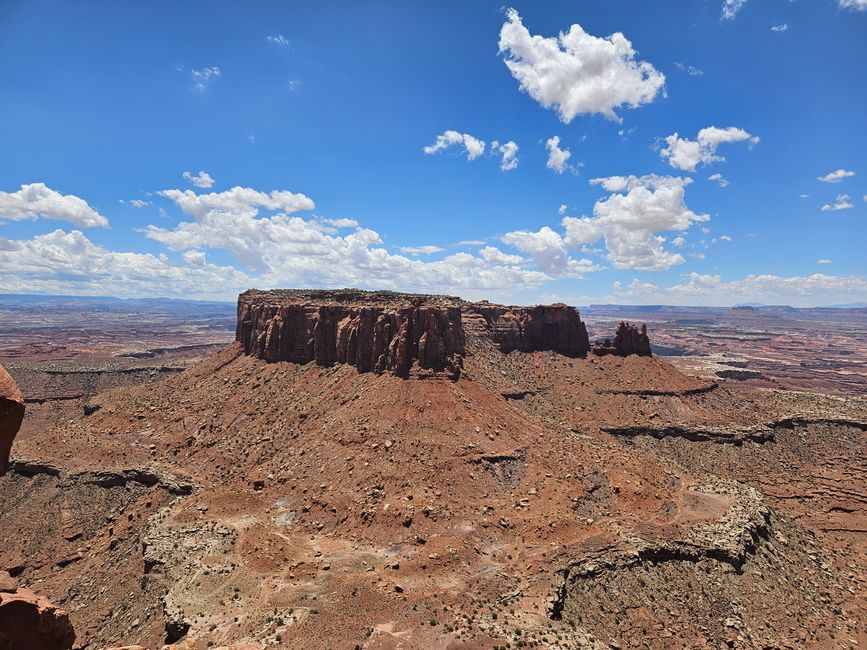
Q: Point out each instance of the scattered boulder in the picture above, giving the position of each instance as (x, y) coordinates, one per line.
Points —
(29, 621)
(11, 415)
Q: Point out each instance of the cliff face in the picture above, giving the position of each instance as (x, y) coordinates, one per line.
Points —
(530, 329)
(11, 415)
(405, 333)
(393, 336)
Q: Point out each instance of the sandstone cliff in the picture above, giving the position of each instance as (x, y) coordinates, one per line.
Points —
(384, 331)
(11, 415)
(394, 333)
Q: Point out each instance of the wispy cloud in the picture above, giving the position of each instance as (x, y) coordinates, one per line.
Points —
(278, 39)
(204, 77)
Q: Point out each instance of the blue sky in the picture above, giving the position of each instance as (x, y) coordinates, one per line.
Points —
(316, 126)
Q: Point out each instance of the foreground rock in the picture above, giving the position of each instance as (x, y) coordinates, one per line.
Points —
(29, 621)
(11, 415)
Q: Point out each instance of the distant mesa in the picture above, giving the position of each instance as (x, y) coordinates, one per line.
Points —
(11, 416)
(407, 334)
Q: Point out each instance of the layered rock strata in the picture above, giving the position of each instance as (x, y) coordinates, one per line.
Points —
(404, 333)
(11, 415)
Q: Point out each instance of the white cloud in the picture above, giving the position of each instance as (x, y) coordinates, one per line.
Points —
(61, 262)
(294, 83)
(719, 179)
(204, 78)
(280, 250)
(842, 202)
(279, 39)
(730, 8)
(472, 146)
(678, 241)
(725, 238)
(35, 200)
(202, 179)
(509, 151)
(825, 288)
(853, 5)
(576, 73)
(562, 209)
(548, 250)
(805, 196)
(421, 250)
(630, 219)
(558, 159)
(140, 203)
(780, 28)
(686, 154)
(494, 255)
(824, 261)
(836, 176)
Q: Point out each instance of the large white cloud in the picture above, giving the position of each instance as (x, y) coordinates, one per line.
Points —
(686, 154)
(472, 146)
(548, 250)
(631, 217)
(202, 179)
(36, 200)
(576, 73)
(68, 262)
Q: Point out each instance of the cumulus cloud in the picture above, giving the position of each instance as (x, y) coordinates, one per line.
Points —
(548, 250)
(494, 255)
(576, 73)
(36, 200)
(718, 178)
(631, 218)
(421, 250)
(68, 262)
(558, 159)
(686, 154)
(281, 249)
(836, 176)
(730, 8)
(204, 77)
(202, 179)
(842, 202)
(853, 5)
(509, 151)
(472, 146)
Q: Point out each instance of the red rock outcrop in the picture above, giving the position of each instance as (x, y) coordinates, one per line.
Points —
(542, 327)
(29, 621)
(627, 340)
(376, 332)
(11, 415)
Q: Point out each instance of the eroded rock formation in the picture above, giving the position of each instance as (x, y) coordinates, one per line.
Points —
(394, 333)
(383, 331)
(628, 339)
(11, 415)
(28, 620)
(542, 327)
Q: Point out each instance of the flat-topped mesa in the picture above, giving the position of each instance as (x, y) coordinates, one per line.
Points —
(627, 340)
(373, 331)
(555, 327)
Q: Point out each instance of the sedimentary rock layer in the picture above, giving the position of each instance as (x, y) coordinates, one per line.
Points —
(11, 415)
(400, 333)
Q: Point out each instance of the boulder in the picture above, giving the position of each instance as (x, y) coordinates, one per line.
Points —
(11, 415)
(29, 621)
